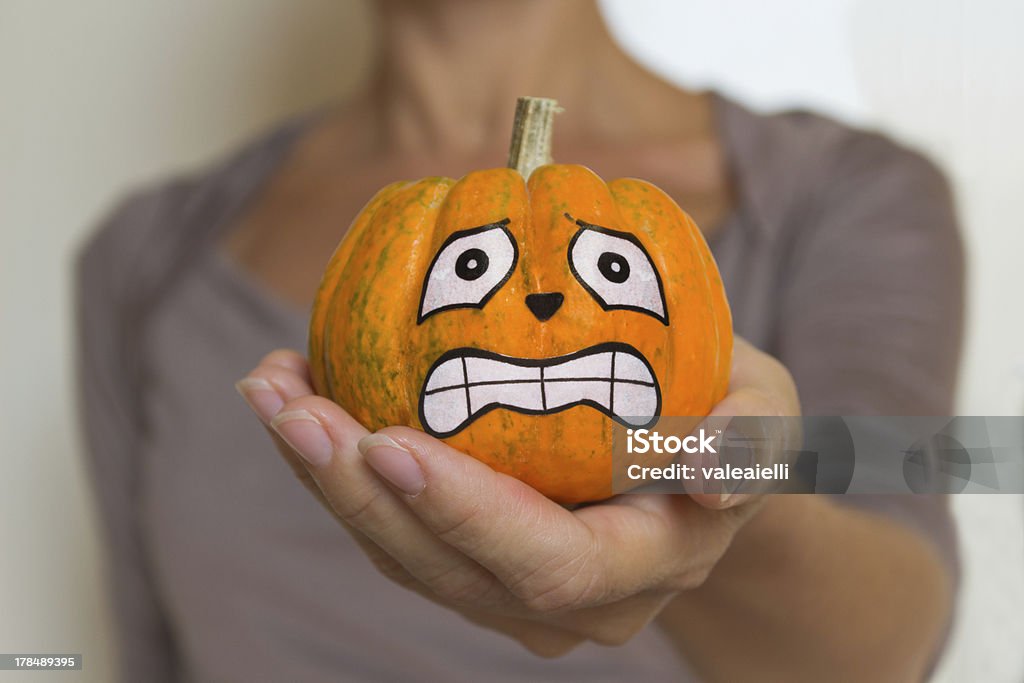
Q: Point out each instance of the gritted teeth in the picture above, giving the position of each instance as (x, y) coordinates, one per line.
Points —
(613, 378)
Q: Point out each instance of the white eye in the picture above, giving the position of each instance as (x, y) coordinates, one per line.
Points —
(616, 270)
(469, 268)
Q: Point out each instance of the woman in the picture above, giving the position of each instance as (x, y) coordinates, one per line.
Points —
(841, 259)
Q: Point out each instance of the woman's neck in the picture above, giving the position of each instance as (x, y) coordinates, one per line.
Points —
(450, 71)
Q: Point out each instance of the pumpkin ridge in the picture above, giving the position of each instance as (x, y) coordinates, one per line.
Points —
(318, 335)
(718, 306)
(417, 263)
(331, 332)
(352, 306)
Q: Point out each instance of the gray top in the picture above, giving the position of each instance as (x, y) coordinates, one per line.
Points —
(842, 259)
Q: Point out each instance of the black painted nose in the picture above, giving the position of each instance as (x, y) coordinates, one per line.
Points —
(543, 306)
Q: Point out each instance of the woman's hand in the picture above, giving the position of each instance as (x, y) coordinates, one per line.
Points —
(445, 525)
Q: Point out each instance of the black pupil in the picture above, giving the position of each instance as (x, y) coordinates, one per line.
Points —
(471, 264)
(614, 267)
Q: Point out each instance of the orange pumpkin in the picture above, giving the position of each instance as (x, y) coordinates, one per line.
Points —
(517, 318)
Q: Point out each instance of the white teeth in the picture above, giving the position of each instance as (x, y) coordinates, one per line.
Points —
(447, 374)
(526, 396)
(617, 381)
(630, 367)
(595, 365)
(445, 411)
(634, 403)
(493, 370)
(560, 394)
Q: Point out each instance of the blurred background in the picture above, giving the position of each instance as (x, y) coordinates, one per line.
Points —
(106, 95)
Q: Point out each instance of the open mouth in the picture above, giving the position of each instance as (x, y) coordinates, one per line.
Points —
(613, 378)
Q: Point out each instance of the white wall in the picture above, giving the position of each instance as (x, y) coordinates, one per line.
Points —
(99, 95)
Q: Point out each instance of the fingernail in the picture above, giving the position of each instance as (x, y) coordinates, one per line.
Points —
(306, 435)
(728, 489)
(733, 452)
(393, 463)
(261, 397)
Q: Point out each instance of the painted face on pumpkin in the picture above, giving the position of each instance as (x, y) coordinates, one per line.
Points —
(479, 311)
(613, 377)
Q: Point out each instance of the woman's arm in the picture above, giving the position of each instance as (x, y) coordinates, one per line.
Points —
(849, 587)
(812, 591)
(491, 548)
(111, 429)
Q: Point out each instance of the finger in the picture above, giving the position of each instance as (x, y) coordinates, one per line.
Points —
(271, 384)
(756, 370)
(761, 394)
(325, 436)
(282, 376)
(616, 623)
(551, 559)
(664, 542)
(536, 548)
(290, 360)
(744, 442)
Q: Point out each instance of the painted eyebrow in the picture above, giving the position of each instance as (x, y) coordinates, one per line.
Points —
(454, 237)
(635, 241)
(593, 226)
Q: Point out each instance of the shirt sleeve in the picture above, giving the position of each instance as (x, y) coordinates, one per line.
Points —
(112, 429)
(872, 305)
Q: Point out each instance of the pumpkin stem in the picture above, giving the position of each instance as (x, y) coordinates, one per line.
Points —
(531, 134)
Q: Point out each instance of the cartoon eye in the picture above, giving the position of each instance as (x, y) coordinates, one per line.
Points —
(614, 267)
(469, 268)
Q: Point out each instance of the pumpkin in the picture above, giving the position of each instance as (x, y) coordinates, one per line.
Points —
(518, 313)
